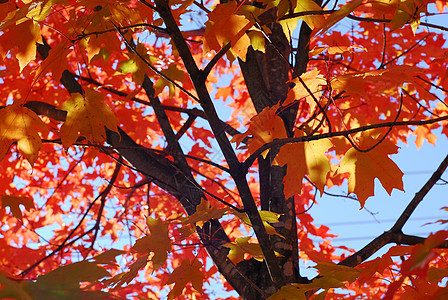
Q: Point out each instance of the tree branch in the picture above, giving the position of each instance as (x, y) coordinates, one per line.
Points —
(420, 195)
(103, 201)
(198, 80)
(250, 160)
(395, 234)
(190, 111)
(166, 175)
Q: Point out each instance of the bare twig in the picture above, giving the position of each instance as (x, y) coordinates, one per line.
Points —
(250, 160)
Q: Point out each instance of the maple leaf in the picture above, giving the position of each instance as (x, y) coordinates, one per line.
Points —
(302, 159)
(64, 282)
(242, 246)
(136, 66)
(423, 132)
(14, 201)
(23, 37)
(17, 124)
(69, 276)
(297, 6)
(335, 50)
(364, 167)
(341, 13)
(408, 11)
(356, 83)
(126, 277)
(173, 73)
(86, 116)
(370, 268)
(266, 217)
(314, 81)
(56, 61)
(158, 242)
(288, 292)
(9, 289)
(40, 9)
(257, 39)
(422, 254)
(108, 256)
(333, 276)
(263, 128)
(204, 212)
(188, 271)
(225, 26)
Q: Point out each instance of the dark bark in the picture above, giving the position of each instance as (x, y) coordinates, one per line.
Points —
(266, 76)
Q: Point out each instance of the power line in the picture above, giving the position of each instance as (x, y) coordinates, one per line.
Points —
(358, 238)
(383, 221)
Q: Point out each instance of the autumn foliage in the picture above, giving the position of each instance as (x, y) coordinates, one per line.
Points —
(172, 149)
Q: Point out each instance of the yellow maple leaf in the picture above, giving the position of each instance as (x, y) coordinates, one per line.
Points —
(301, 159)
(314, 81)
(263, 129)
(290, 24)
(266, 217)
(242, 246)
(288, 292)
(364, 167)
(136, 66)
(204, 212)
(86, 116)
(17, 124)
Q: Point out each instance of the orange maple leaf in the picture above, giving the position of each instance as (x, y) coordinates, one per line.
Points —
(86, 115)
(14, 201)
(422, 254)
(188, 271)
(225, 26)
(364, 167)
(333, 276)
(158, 242)
(17, 124)
(340, 14)
(23, 37)
(304, 158)
(385, 81)
(204, 212)
(56, 61)
(263, 128)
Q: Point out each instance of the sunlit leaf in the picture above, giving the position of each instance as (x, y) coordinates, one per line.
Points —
(18, 125)
(204, 212)
(86, 116)
(364, 167)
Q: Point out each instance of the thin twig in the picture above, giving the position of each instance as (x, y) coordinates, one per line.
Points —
(133, 50)
(250, 160)
(103, 202)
